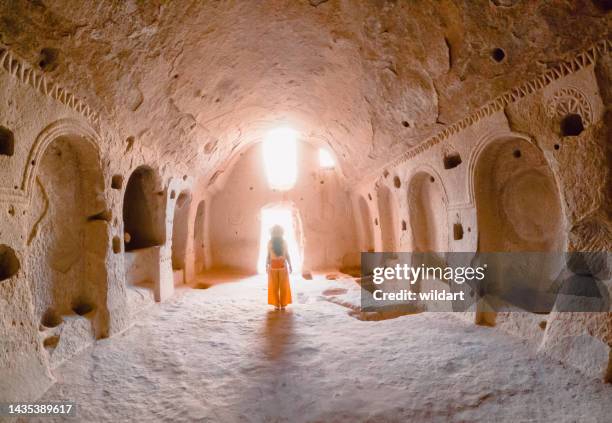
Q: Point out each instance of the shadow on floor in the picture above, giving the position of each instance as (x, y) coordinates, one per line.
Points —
(278, 333)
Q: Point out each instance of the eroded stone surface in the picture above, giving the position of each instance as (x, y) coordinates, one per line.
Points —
(219, 354)
(371, 78)
(180, 90)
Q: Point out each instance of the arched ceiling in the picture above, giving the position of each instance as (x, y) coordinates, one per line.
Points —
(197, 79)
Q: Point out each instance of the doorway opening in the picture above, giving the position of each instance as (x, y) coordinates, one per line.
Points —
(180, 229)
(199, 238)
(288, 218)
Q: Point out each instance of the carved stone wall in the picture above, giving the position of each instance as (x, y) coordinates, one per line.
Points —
(562, 116)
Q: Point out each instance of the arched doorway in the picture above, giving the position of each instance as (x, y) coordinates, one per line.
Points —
(427, 208)
(180, 229)
(518, 211)
(367, 235)
(142, 217)
(199, 237)
(68, 237)
(387, 209)
(288, 217)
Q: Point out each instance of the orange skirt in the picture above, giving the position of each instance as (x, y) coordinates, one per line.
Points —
(279, 289)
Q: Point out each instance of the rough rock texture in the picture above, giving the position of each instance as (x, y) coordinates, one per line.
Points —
(319, 198)
(424, 104)
(195, 80)
(217, 355)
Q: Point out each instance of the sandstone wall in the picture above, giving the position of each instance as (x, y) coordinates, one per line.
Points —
(63, 174)
(538, 157)
(319, 196)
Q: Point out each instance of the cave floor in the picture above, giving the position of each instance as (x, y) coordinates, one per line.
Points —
(222, 355)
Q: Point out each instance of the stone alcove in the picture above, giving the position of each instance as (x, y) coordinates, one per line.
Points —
(388, 208)
(68, 242)
(199, 238)
(518, 210)
(180, 228)
(367, 235)
(427, 212)
(143, 226)
(141, 211)
(9, 263)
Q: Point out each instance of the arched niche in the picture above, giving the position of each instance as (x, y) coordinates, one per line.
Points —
(388, 212)
(180, 229)
(68, 233)
(517, 199)
(199, 238)
(367, 234)
(142, 211)
(427, 213)
(518, 211)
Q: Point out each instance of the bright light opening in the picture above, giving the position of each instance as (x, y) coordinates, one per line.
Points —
(326, 161)
(280, 158)
(283, 216)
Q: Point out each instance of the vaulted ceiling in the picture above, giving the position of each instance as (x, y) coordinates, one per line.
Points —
(195, 80)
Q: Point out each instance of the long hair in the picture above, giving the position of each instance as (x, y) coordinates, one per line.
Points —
(277, 239)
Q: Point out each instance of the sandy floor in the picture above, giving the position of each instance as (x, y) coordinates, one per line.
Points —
(221, 355)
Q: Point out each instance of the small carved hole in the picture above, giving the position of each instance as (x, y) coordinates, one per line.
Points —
(556, 146)
(516, 154)
(405, 124)
(498, 54)
(396, 182)
(457, 231)
(452, 161)
(9, 263)
(7, 142)
(51, 342)
(376, 221)
(369, 196)
(49, 58)
(129, 143)
(172, 195)
(404, 226)
(116, 245)
(82, 308)
(117, 182)
(105, 216)
(571, 125)
(51, 318)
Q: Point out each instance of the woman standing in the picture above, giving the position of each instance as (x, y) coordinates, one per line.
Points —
(278, 266)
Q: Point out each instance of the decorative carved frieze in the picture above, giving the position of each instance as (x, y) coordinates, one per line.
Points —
(580, 61)
(26, 74)
(568, 100)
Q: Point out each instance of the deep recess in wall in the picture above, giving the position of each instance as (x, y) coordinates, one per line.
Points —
(116, 245)
(49, 58)
(51, 318)
(140, 211)
(396, 182)
(452, 160)
(9, 264)
(498, 54)
(457, 231)
(7, 142)
(571, 125)
(117, 182)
